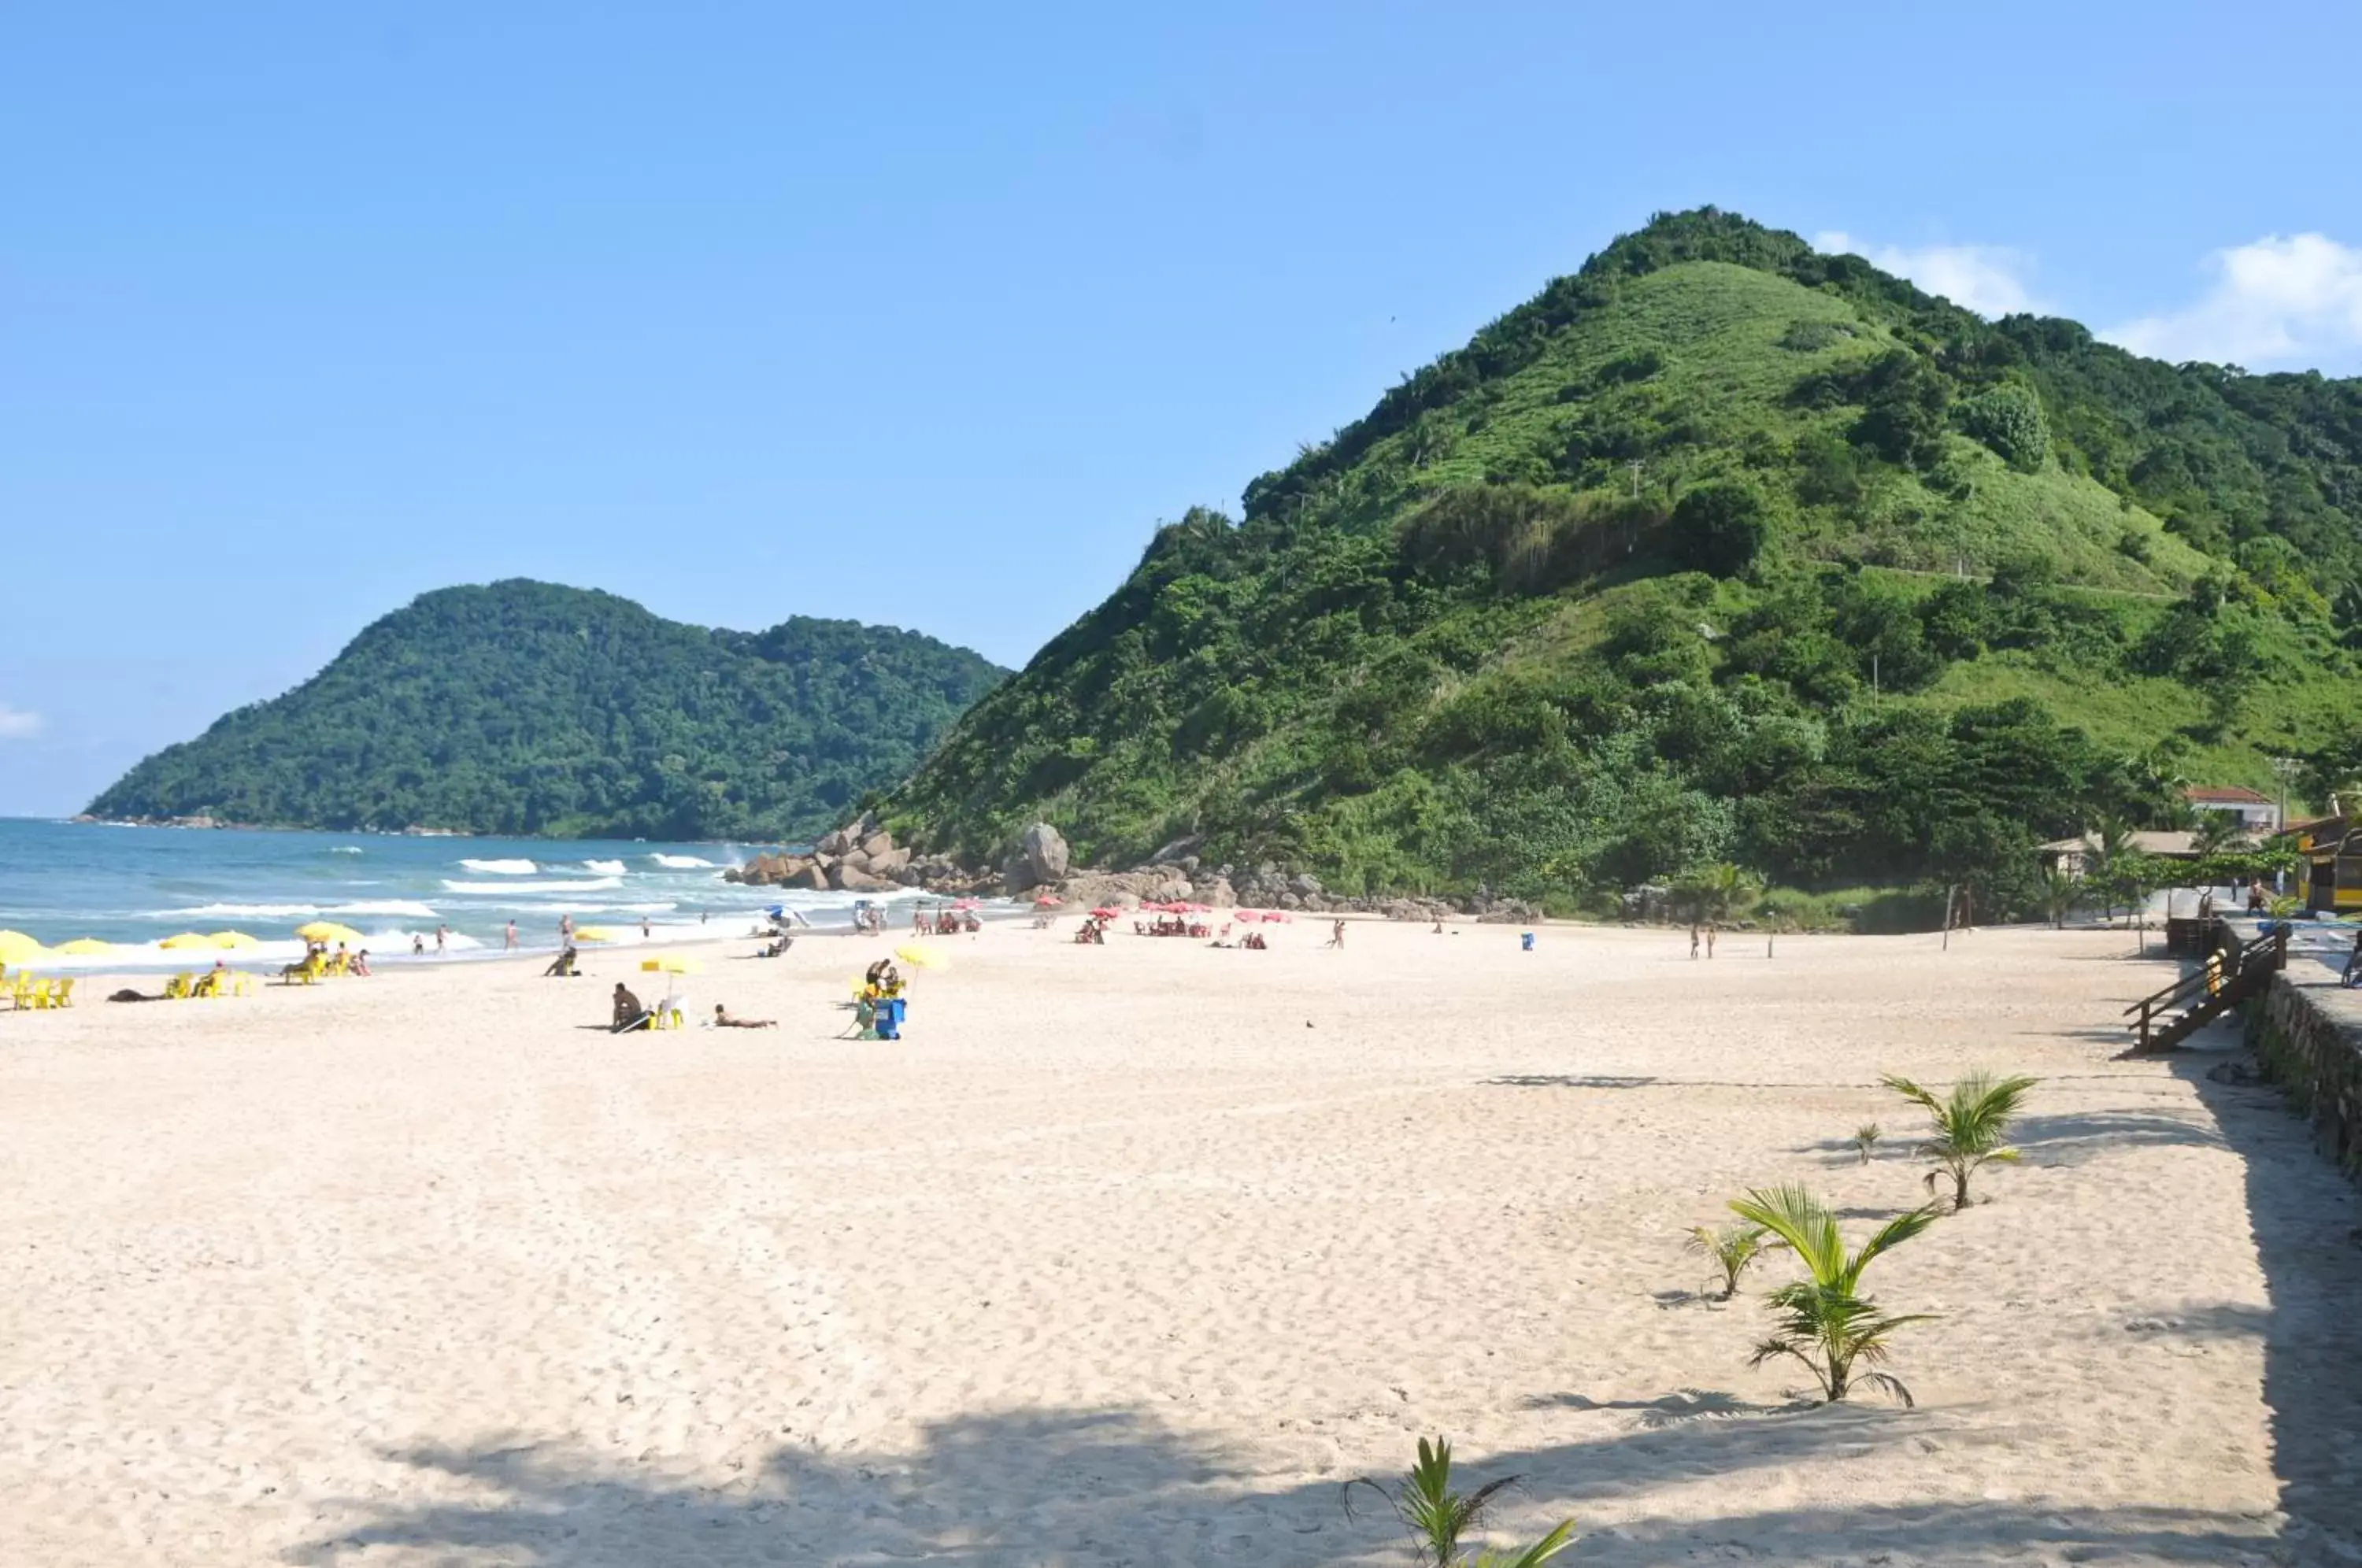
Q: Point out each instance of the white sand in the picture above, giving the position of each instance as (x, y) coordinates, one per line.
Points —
(1113, 1260)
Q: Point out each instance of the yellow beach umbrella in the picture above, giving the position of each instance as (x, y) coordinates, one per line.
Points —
(922, 957)
(15, 947)
(318, 930)
(672, 963)
(593, 934)
(84, 947)
(233, 939)
(186, 939)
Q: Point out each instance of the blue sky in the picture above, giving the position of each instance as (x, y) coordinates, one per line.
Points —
(927, 314)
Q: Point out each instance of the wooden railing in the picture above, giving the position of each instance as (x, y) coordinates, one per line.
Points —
(2166, 1016)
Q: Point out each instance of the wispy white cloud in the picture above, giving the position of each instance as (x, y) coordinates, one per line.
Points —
(1991, 279)
(2293, 301)
(16, 724)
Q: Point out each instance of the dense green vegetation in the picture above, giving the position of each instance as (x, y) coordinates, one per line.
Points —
(1720, 550)
(528, 708)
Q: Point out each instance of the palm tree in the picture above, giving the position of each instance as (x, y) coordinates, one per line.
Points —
(1865, 1140)
(1970, 1125)
(1825, 1320)
(1732, 1248)
(2060, 890)
(1436, 1517)
(1720, 890)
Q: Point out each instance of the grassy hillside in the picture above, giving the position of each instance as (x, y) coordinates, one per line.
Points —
(528, 708)
(1718, 550)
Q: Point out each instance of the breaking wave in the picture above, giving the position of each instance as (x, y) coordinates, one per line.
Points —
(401, 908)
(501, 867)
(682, 863)
(577, 885)
(604, 867)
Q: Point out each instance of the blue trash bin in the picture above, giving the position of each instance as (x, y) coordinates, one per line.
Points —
(889, 1019)
(1526, 939)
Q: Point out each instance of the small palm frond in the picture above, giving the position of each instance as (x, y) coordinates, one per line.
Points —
(1533, 1556)
(1792, 1213)
(1433, 1514)
(1732, 1248)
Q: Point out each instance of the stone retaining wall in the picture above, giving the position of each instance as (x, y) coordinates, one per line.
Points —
(2308, 1039)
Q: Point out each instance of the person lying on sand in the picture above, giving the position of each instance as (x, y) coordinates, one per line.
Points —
(776, 948)
(721, 1020)
(629, 1013)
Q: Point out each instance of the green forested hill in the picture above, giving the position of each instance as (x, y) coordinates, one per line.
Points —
(528, 708)
(1719, 551)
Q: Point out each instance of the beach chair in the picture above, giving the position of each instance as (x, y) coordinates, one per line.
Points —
(61, 992)
(178, 986)
(20, 990)
(40, 996)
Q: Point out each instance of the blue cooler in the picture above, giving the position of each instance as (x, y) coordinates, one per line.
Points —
(1526, 939)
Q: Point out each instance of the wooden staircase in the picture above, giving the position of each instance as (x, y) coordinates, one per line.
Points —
(2233, 972)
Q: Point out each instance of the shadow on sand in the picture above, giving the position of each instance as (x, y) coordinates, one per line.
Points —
(2302, 1213)
(1111, 1487)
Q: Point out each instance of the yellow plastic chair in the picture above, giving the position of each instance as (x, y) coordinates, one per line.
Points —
(61, 993)
(41, 996)
(176, 987)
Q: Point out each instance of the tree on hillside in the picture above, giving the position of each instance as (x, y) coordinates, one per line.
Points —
(1720, 527)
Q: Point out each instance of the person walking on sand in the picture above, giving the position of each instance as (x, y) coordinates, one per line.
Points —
(417, 945)
(643, 928)
(1693, 939)
(1709, 939)
(508, 943)
(1336, 934)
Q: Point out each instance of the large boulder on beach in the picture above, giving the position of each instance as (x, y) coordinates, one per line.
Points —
(834, 844)
(888, 861)
(1042, 856)
(849, 877)
(877, 844)
(813, 876)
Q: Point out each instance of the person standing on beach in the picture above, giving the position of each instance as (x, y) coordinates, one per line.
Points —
(417, 945)
(509, 941)
(1693, 939)
(1336, 934)
(1709, 939)
(442, 936)
(643, 928)
(565, 930)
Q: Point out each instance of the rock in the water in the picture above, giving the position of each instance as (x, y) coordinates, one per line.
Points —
(813, 875)
(849, 877)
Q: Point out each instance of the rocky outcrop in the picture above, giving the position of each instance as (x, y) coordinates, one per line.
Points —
(862, 857)
(1039, 859)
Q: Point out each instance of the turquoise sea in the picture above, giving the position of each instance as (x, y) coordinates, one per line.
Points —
(137, 886)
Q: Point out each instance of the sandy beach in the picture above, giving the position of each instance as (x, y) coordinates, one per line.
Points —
(1132, 1255)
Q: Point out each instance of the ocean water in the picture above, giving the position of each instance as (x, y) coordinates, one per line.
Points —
(137, 886)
